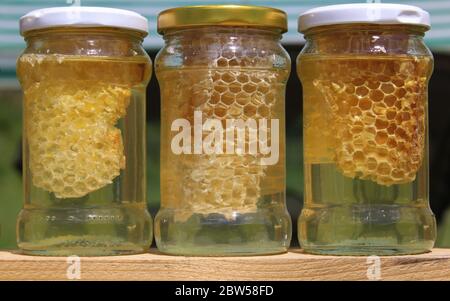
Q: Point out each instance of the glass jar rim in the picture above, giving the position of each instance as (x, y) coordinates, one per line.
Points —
(366, 27)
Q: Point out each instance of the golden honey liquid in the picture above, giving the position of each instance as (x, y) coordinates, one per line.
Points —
(84, 155)
(221, 204)
(365, 155)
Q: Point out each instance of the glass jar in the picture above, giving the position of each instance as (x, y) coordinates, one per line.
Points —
(222, 75)
(84, 132)
(365, 71)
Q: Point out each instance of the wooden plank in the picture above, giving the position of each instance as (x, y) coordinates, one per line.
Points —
(293, 265)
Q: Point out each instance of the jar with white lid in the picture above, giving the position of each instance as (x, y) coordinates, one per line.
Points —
(365, 71)
(84, 74)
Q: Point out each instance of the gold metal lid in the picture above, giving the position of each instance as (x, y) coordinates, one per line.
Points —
(222, 15)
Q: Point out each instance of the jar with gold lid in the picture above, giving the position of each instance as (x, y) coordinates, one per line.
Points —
(222, 74)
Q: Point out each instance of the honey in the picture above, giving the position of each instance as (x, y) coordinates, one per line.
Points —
(220, 183)
(74, 144)
(358, 168)
(376, 110)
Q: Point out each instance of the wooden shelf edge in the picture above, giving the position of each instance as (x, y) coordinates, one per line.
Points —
(293, 265)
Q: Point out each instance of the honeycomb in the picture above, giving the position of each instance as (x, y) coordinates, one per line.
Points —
(227, 183)
(378, 108)
(231, 87)
(73, 144)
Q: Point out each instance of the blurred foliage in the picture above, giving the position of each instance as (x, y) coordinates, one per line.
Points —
(10, 178)
(443, 239)
(294, 160)
(153, 192)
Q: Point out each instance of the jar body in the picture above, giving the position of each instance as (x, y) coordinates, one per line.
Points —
(219, 194)
(84, 143)
(365, 137)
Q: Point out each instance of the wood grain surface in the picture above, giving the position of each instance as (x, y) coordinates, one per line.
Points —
(293, 265)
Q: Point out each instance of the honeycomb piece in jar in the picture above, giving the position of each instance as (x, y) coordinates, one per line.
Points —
(224, 183)
(74, 146)
(378, 108)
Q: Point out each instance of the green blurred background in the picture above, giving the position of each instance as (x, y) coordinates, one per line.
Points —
(11, 108)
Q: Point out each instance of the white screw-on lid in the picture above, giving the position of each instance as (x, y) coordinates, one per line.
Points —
(81, 16)
(369, 13)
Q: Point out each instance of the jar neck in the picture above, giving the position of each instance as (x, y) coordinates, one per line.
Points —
(366, 38)
(220, 32)
(222, 46)
(368, 29)
(70, 33)
(85, 41)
